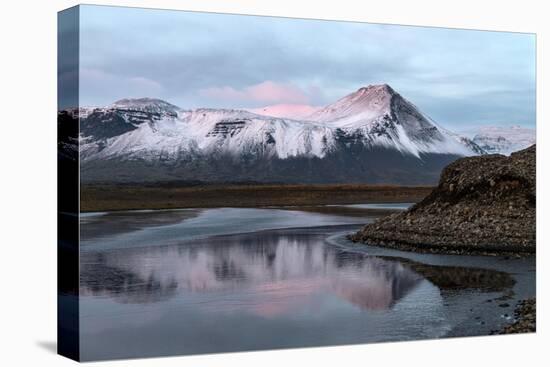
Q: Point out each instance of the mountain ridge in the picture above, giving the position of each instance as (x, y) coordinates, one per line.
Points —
(374, 121)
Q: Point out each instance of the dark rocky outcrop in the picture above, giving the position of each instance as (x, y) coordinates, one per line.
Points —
(483, 204)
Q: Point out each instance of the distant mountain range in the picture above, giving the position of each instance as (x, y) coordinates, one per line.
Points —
(372, 135)
(504, 140)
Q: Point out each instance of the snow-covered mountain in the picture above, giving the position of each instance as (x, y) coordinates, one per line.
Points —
(371, 135)
(385, 118)
(200, 131)
(504, 140)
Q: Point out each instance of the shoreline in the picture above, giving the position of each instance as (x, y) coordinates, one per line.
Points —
(437, 249)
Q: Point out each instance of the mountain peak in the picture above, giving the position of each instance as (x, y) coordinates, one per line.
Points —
(359, 108)
(146, 104)
(380, 88)
(141, 100)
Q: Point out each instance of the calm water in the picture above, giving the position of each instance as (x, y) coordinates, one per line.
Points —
(219, 280)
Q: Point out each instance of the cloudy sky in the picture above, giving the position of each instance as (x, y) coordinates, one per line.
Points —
(460, 78)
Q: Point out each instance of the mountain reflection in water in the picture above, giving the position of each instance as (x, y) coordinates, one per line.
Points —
(162, 283)
(278, 268)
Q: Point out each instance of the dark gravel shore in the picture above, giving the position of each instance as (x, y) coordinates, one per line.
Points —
(482, 205)
(526, 318)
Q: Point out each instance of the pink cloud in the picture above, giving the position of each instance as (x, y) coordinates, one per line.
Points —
(265, 92)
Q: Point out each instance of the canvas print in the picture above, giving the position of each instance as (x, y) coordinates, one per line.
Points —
(234, 183)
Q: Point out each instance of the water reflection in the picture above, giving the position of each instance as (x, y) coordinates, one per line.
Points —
(163, 228)
(97, 225)
(126, 286)
(174, 293)
(282, 266)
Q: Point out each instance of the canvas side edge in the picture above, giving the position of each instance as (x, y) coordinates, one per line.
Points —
(68, 328)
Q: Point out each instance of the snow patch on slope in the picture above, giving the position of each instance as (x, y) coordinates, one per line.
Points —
(289, 111)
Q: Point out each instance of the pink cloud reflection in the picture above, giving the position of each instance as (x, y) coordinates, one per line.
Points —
(274, 299)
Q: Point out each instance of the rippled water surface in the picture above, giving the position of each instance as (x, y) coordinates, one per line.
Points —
(218, 280)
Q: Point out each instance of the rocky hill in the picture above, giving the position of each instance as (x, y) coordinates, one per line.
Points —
(483, 204)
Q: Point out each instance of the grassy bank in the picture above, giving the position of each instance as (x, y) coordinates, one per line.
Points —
(126, 197)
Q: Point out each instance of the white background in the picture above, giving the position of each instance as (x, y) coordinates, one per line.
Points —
(28, 181)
